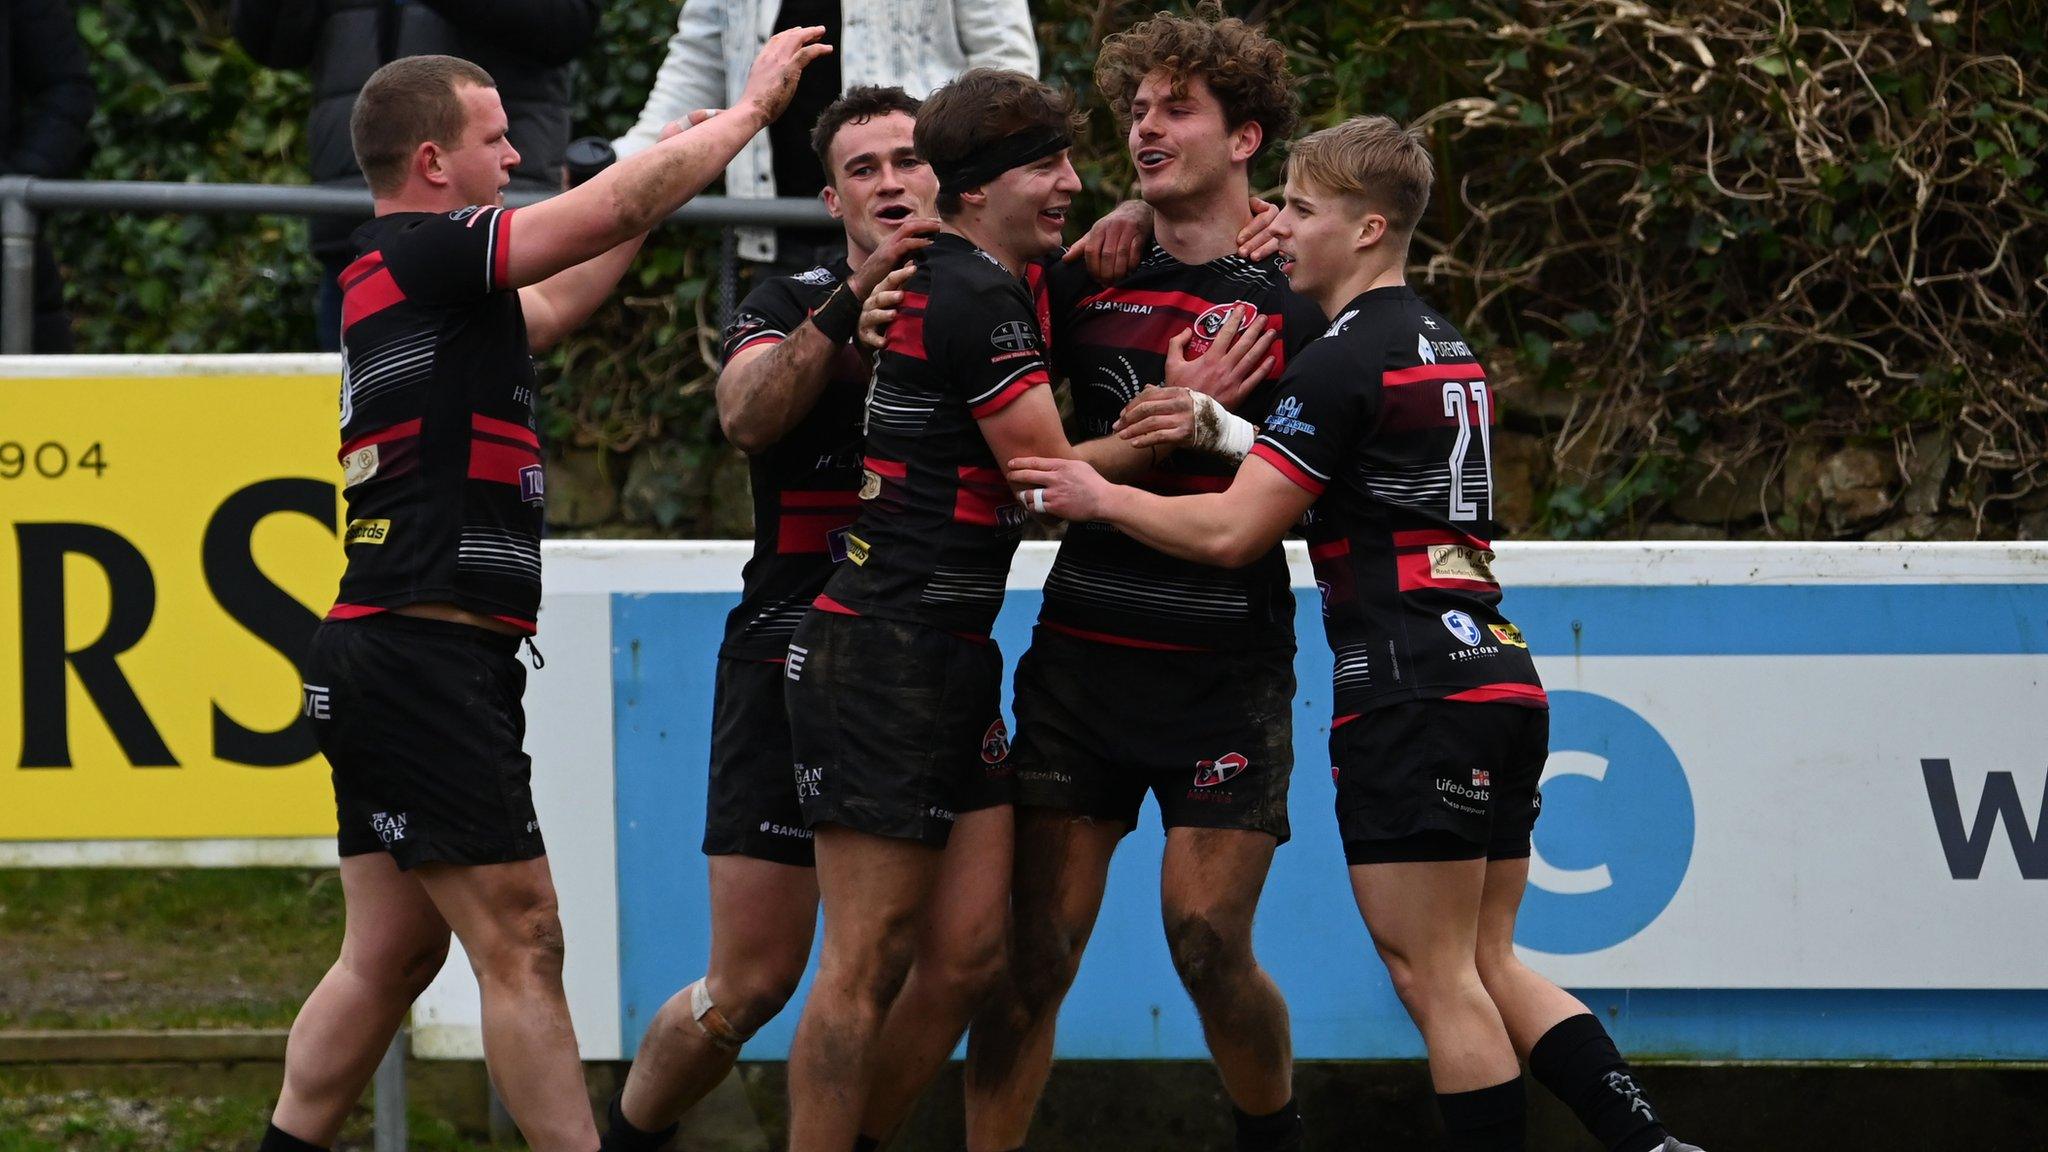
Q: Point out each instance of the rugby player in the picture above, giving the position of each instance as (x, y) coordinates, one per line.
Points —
(892, 681)
(1381, 435)
(789, 395)
(414, 680)
(1147, 671)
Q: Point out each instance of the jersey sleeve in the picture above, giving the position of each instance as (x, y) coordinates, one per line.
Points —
(1322, 406)
(446, 258)
(765, 318)
(987, 340)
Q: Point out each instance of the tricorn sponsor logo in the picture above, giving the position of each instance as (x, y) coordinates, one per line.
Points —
(1461, 626)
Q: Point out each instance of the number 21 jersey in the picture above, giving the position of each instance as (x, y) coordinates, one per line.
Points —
(1388, 420)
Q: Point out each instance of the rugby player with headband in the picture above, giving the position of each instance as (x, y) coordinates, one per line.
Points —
(1382, 434)
(892, 681)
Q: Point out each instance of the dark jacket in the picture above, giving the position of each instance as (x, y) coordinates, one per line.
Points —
(526, 46)
(46, 101)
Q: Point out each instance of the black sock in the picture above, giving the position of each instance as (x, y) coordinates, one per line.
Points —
(623, 1137)
(1486, 1119)
(276, 1139)
(1578, 1062)
(1274, 1132)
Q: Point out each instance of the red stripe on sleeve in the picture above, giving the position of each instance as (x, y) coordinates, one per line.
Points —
(1526, 695)
(501, 260)
(1288, 468)
(1008, 396)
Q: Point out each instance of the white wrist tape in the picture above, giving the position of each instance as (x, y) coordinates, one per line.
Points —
(1218, 431)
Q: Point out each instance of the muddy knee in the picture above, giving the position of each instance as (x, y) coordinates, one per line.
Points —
(1207, 960)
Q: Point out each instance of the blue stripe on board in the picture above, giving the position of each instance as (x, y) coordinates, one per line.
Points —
(1797, 620)
(1127, 1003)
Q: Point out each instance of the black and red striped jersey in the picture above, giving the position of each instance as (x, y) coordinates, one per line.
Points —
(1388, 421)
(938, 524)
(806, 484)
(1108, 344)
(441, 463)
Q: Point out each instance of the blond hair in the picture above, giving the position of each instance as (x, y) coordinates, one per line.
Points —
(1372, 159)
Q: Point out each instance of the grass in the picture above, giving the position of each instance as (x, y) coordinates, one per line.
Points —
(155, 948)
(90, 1122)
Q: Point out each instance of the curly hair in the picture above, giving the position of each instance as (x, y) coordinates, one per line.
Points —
(1244, 68)
(860, 104)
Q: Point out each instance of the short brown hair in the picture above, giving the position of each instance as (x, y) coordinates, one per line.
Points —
(405, 104)
(981, 106)
(1244, 68)
(1373, 159)
(860, 104)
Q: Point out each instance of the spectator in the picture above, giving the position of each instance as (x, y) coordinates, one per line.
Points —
(915, 45)
(526, 44)
(48, 97)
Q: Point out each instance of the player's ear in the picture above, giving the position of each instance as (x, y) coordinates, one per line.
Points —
(831, 197)
(429, 162)
(1245, 141)
(1372, 228)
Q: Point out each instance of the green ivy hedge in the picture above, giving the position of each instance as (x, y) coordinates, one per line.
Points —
(1687, 239)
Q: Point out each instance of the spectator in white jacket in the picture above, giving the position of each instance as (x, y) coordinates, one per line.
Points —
(916, 45)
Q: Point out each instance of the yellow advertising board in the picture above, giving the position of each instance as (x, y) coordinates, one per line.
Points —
(167, 544)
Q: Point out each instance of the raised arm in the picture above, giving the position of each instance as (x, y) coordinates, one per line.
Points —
(637, 193)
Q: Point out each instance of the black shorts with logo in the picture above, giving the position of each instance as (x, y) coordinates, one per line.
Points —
(422, 724)
(1211, 734)
(1439, 780)
(897, 727)
(751, 809)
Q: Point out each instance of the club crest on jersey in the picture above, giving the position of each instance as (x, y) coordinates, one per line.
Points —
(1461, 626)
(870, 483)
(995, 743)
(1423, 349)
(1013, 336)
(1210, 773)
(1482, 778)
(533, 484)
(461, 214)
(1211, 322)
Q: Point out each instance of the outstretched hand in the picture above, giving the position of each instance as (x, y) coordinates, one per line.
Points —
(772, 81)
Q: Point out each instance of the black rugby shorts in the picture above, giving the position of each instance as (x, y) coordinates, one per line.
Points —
(897, 727)
(751, 809)
(422, 725)
(1439, 780)
(1211, 734)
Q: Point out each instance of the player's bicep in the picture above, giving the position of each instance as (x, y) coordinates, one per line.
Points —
(1029, 425)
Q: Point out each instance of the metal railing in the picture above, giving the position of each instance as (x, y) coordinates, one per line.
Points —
(23, 198)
